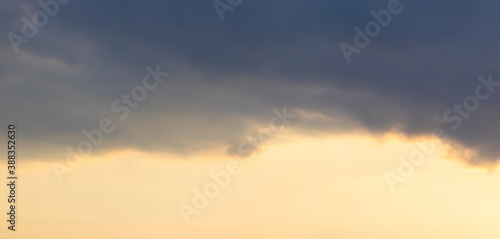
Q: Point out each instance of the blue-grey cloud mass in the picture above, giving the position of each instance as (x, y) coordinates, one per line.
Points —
(227, 76)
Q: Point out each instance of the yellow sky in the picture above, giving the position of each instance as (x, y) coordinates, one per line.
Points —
(296, 187)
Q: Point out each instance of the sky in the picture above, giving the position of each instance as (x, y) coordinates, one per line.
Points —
(252, 119)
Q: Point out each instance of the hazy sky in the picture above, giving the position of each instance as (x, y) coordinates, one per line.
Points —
(184, 93)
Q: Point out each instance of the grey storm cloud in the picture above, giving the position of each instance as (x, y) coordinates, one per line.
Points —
(226, 77)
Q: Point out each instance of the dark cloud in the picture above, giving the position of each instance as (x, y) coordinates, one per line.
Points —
(226, 77)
